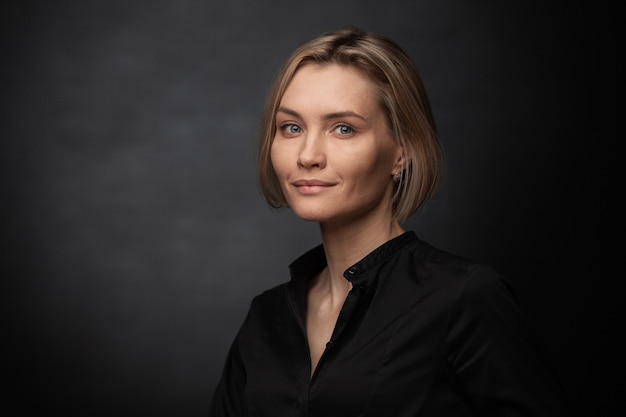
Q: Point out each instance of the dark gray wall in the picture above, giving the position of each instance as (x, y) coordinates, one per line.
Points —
(134, 235)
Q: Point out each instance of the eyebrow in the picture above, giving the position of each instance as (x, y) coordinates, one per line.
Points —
(329, 116)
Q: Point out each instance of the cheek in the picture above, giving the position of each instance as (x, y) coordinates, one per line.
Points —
(377, 173)
(277, 158)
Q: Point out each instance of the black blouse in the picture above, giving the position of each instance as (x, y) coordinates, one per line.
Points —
(421, 333)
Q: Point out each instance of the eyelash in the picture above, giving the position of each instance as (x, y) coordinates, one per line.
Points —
(285, 128)
(342, 126)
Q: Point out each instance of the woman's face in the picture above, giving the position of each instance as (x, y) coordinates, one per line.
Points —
(332, 152)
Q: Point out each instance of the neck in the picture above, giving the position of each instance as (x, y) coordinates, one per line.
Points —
(346, 244)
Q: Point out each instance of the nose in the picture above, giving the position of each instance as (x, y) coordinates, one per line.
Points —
(312, 151)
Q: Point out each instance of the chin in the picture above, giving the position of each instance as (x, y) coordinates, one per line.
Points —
(311, 215)
(322, 216)
(318, 210)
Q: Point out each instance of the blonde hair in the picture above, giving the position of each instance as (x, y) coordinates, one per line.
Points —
(403, 99)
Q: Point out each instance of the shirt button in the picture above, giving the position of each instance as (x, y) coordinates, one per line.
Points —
(329, 345)
(353, 270)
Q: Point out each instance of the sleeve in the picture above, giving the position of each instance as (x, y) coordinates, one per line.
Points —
(494, 354)
(227, 400)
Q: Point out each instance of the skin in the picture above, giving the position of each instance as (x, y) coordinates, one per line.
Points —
(335, 159)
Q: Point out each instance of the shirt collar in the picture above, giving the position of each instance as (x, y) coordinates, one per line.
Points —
(312, 262)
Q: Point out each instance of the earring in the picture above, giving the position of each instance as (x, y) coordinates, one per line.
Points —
(396, 176)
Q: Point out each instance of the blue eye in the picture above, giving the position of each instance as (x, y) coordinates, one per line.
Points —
(344, 130)
(291, 129)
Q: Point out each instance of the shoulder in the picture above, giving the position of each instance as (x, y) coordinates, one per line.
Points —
(264, 309)
(464, 282)
(269, 297)
(270, 307)
(434, 263)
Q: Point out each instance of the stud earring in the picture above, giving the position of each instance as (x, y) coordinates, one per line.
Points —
(396, 176)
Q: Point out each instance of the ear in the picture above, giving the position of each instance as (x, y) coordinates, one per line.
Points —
(400, 160)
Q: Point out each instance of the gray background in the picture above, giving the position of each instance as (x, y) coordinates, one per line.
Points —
(134, 235)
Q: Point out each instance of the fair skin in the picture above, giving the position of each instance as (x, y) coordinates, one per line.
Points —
(335, 158)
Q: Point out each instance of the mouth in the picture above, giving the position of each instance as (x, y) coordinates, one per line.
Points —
(311, 186)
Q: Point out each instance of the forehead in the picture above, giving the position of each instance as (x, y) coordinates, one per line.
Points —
(333, 84)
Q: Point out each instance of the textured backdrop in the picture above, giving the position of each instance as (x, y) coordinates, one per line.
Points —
(134, 235)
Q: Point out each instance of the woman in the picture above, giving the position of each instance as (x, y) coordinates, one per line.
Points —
(374, 321)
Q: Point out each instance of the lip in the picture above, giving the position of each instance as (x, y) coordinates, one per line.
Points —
(311, 186)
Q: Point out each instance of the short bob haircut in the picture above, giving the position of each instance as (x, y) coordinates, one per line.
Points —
(402, 98)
